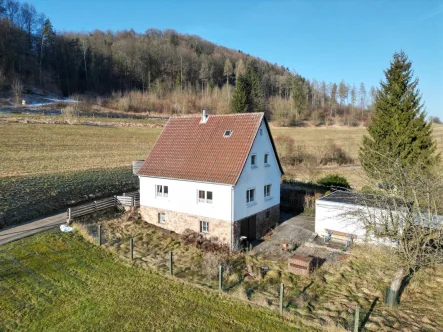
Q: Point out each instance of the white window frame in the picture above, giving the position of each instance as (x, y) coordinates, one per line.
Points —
(266, 159)
(161, 193)
(248, 196)
(205, 198)
(254, 157)
(204, 226)
(162, 218)
(201, 200)
(267, 193)
(209, 201)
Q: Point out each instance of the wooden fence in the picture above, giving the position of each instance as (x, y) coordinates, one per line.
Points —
(131, 199)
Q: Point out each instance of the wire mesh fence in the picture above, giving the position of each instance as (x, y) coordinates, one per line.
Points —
(240, 278)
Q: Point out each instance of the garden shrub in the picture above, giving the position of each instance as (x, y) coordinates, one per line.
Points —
(334, 181)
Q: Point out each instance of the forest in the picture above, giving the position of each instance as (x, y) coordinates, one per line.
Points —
(163, 72)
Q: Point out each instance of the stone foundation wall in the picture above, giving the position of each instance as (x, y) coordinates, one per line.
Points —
(262, 227)
(219, 230)
(264, 224)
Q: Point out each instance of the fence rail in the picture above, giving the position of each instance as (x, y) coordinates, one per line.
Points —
(131, 199)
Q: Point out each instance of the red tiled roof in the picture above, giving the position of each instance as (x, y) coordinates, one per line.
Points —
(190, 150)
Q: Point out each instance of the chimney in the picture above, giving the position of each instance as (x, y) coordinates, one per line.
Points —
(204, 117)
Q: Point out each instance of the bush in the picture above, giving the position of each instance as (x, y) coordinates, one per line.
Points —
(335, 154)
(436, 119)
(334, 181)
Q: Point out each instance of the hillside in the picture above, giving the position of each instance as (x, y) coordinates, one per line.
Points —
(60, 281)
(161, 72)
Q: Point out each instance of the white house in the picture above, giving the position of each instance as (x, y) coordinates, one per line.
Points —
(214, 174)
(340, 215)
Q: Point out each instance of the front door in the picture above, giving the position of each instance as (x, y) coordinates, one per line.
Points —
(252, 223)
(248, 227)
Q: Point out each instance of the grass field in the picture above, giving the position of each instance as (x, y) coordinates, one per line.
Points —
(41, 149)
(25, 197)
(349, 138)
(51, 148)
(59, 282)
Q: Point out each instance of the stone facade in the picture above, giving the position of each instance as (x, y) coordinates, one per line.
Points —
(263, 224)
(219, 230)
(178, 222)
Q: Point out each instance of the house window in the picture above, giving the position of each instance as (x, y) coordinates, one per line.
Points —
(267, 214)
(201, 196)
(267, 191)
(161, 218)
(204, 227)
(162, 191)
(250, 196)
(261, 132)
(253, 160)
(204, 196)
(209, 197)
(266, 159)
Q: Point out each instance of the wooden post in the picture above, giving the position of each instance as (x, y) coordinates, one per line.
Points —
(131, 248)
(69, 215)
(281, 298)
(99, 235)
(171, 271)
(357, 319)
(220, 278)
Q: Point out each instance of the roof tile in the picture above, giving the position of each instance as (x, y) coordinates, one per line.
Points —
(190, 150)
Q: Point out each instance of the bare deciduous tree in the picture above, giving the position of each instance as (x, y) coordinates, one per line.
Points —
(17, 89)
(407, 212)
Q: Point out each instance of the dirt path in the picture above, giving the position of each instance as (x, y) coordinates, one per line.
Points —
(32, 227)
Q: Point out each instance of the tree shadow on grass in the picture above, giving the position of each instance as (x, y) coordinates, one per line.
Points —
(368, 314)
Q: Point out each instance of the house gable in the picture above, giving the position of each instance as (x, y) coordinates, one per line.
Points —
(258, 176)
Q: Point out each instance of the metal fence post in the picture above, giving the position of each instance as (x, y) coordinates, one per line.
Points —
(281, 298)
(171, 271)
(99, 235)
(220, 278)
(357, 319)
(131, 248)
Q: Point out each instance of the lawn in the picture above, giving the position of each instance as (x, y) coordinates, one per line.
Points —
(60, 282)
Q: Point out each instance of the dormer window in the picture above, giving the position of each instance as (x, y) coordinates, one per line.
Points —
(227, 133)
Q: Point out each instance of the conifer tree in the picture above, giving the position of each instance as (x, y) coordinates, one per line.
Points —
(398, 132)
(240, 102)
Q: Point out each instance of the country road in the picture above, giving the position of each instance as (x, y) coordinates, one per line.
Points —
(32, 227)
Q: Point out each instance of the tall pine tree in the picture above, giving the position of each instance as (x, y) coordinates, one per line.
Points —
(241, 99)
(248, 95)
(398, 132)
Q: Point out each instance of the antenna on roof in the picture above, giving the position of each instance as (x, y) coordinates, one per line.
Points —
(204, 117)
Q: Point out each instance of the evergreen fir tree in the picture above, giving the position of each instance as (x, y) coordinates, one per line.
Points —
(398, 132)
(241, 99)
(256, 89)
